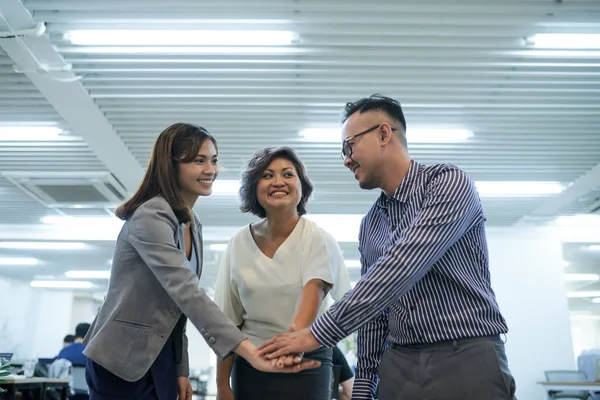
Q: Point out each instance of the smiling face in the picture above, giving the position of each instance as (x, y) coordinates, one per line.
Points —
(366, 149)
(196, 177)
(279, 188)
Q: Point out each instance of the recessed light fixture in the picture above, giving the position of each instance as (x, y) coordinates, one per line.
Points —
(29, 133)
(413, 135)
(18, 261)
(224, 187)
(218, 246)
(158, 37)
(582, 277)
(517, 188)
(578, 220)
(62, 284)
(42, 245)
(595, 293)
(565, 41)
(88, 274)
(61, 219)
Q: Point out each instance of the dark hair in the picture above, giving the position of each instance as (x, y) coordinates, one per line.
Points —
(254, 172)
(69, 339)
(377, 102)
(179, 143)
(81, 330)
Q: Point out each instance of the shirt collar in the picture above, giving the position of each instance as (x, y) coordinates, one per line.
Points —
(403, 191)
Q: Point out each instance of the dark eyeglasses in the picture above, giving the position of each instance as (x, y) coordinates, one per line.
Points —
(347, 146)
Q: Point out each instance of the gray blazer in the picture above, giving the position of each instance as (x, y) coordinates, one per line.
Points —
(150, 286)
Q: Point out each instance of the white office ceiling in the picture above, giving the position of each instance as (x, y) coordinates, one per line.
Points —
(534, 113)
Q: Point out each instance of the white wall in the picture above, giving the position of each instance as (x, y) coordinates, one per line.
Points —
(53, 321)
(586, 332)
(84, 309)
(528, 278)
(33, 322)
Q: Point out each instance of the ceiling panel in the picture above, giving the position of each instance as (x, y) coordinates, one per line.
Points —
(534, 113)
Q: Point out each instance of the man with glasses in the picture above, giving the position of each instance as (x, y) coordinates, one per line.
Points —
(427, 318)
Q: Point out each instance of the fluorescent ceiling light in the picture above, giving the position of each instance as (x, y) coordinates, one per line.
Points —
(180, 37)
(43, 245)
(578, 220)
(29, 133)
(60, 219)
(582, 277)
(583, 294)
(596, 300)
(594, 247)
(352, 263)
(423, 135)
(508, 188)
(218, 246)
(18, 261)
(62, 284)
(343, 227)
(88, 274)
(216, 50)
(565, 41)
(225, 187)
(413, 135)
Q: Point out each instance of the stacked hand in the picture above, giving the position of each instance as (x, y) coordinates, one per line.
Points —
(288, 348)
(295, 363)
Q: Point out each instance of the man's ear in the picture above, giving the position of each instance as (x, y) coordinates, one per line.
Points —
(385, 133)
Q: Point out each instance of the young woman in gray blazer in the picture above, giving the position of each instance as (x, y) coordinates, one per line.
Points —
(136, 346)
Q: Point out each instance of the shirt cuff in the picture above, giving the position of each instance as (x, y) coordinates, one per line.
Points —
(363, 389)
(326, 330)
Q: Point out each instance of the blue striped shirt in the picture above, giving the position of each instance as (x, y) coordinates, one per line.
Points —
(425, 273)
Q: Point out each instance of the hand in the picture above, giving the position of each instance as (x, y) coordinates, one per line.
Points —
(289, 343)
(248, 351)
(225, 393)
(262, 364)
(184, 387)
(287, 361)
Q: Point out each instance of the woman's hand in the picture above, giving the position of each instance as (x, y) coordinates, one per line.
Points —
(250, 352)
(184, 388)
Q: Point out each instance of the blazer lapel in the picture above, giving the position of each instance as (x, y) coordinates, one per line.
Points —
(197, 237)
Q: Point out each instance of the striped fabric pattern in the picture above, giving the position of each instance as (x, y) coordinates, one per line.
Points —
(425, 272)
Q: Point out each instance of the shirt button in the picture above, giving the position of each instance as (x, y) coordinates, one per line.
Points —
(413, 308)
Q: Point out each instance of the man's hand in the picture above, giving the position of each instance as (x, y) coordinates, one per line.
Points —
(289, 343)
(225, 393)
(262, 364)
(184, 388)
(248, 351)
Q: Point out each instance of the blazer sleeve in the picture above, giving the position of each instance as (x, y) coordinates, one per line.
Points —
(152, 234)
(183, 368)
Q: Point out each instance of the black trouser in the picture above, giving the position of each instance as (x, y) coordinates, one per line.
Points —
(464, 369)
(312, 384)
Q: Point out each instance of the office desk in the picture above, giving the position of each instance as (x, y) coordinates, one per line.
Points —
(34, 385)
(557, 386)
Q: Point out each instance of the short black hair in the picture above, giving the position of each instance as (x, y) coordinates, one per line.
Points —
(69, 339)
(376, 102)
(254, 171)
(81, 330)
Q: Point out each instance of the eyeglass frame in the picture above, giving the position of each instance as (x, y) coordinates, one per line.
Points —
(347, 148)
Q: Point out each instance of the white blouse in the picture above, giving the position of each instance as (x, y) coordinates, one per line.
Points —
(261, 293)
